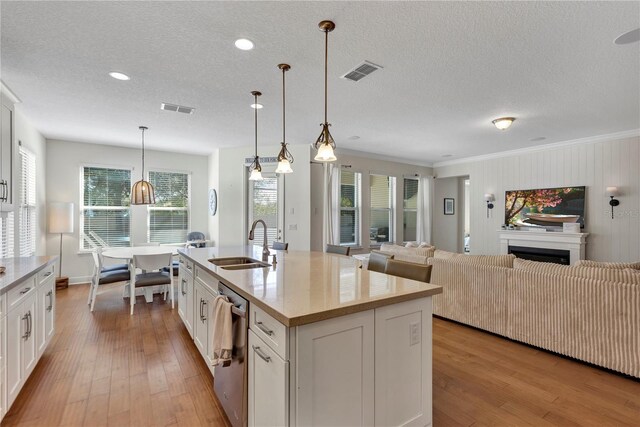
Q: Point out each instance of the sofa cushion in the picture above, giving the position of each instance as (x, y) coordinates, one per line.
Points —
(401, 250)
(604, 274)
(495, 260)
(602, 264)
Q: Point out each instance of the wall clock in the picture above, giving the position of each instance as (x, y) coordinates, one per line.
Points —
(213, 202)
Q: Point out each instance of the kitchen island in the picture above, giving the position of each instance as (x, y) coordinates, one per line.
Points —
(328, 342)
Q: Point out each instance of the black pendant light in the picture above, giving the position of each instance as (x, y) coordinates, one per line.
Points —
(255, 169)
(285, 158)
(325, 143)
(142, 191)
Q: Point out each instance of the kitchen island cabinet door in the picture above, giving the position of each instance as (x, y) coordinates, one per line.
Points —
(335, 371)
(21, 351)
(268, 385)
(45, 314)
(185, 299)
(201, 330)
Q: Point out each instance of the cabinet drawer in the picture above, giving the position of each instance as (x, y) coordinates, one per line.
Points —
(270, 330)
(45, 273)
(18, 294)
(186, 263)
(206, 279)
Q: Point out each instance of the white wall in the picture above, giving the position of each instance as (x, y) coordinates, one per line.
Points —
(64, 160)
(366, 166)
(446, 235)
(229, 171)
(594, 164)
(214, 183)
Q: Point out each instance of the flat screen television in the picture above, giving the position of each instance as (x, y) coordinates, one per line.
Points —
(545, 207)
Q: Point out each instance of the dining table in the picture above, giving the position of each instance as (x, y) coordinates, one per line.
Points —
(127, 254)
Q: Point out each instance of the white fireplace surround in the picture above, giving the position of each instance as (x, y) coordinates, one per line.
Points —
(575, 243)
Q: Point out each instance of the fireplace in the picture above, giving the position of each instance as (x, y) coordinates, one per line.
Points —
(557, 256)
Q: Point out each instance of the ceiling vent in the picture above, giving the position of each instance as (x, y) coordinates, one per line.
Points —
(361, 71)
(176, 108)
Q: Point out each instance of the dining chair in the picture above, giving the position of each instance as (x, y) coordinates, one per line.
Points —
(196, 239)
(110, 267)
(378, 261)
(335, 249)
(408, 270)
(152, 274)
(102, 277)
(280, 246)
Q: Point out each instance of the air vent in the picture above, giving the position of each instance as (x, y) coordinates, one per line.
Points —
(176, 108)
(361, 71)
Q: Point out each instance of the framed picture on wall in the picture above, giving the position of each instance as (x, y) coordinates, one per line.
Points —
(449, 206)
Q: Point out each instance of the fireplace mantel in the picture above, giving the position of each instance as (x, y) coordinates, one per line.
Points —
(575, 243)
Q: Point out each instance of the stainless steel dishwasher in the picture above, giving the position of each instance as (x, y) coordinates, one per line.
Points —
(230, 382)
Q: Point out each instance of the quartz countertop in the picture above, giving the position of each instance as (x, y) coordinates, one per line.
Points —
(306, 287)
(17, 269)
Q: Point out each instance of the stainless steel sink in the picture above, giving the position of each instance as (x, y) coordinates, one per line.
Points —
(238, 263)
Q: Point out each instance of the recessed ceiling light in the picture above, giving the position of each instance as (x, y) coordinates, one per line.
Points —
(354, 137)
(257, 106)
(244, 44)
(628, 37)
(503, 123)
(447, 155)
(119, 76)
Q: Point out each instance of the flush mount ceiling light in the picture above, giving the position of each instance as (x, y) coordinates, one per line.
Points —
(119, 76)
(285, 158)
(325, 143)
(255, 168)
(257, 106)
(632, 36)
(503, 123)
(244, 44)
(142, 191)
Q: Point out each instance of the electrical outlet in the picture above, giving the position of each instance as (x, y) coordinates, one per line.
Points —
(414, 333)
(293, 227)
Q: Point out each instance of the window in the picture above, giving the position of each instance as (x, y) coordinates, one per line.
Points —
(169, 217)
(381, 215)
(6, 235)
(105, 211)
(263, 204)
(349, 208)
(410, 209)
(27, 210)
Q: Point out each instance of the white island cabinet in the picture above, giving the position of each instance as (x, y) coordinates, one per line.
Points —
(329, 344)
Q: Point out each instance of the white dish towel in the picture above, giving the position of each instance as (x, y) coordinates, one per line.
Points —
(222, 331)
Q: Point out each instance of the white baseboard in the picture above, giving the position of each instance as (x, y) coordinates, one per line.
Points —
(80, 280)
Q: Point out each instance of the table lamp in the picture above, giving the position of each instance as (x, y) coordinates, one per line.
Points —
(61, 222)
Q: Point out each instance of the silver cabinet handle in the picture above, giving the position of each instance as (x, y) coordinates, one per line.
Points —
(182, 287)
(201, 305)
(264, 329)
(261, 354)
(188, 267)
(30, 323)
(47, 274)
(24, 291)
(204, 316)
(50, 295)
(3, 197)
(26, 332)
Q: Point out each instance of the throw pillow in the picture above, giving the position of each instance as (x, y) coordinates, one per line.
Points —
(602, 264)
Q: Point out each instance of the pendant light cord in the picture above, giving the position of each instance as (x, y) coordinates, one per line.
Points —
(142, 154)
(283, 106)
(255, 97)
(326, 55)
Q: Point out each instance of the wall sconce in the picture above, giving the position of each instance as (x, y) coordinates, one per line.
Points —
(489, 198)
(613, 192)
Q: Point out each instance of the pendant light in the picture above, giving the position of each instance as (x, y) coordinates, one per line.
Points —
(142, 191)
(255, 168)
(285, 158)
(325, 143)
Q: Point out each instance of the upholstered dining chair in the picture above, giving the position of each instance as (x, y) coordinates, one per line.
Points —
(378, 261)
(152, 274)
(101, 276)
(340, 250)
(110, 267)
(280, 246)
(408, 270)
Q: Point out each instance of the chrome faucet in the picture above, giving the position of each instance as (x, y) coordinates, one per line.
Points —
(265, 246)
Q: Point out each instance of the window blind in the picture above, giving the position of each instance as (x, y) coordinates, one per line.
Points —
(105, 211)
(6, 235)
(381, 213)
(169, 217)
(349, 207)
(264, 205)
(27, 211)
(410, 209)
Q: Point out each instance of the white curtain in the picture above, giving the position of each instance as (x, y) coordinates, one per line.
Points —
(425, 211)
(331, 217)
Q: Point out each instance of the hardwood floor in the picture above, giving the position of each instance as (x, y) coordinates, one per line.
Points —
(108, 368)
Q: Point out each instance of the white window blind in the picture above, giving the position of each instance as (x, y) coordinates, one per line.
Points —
(27, 212)
(6, 235)
(169, 217)
(349, 208)
(410, 209)
(381, 213)
(263, 204)
(105, 211)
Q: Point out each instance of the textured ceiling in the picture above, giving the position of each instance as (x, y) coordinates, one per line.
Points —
(449, 69)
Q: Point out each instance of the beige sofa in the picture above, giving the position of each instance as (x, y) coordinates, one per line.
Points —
(588, 312)
(417, 254)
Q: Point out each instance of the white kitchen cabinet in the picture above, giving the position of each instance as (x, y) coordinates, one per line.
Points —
(268, 385)
(7, 153)
(203, 321)
(21, 354)
(45, 313)
(185, 298)
(2, 363)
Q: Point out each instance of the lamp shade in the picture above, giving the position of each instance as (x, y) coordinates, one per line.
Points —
(60, 217)
(612, 191)
(489, 197)
(142, 193)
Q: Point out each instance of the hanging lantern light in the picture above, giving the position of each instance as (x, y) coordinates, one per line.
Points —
(255, 168)
(325, 143)
(142, 191)
(285, 158)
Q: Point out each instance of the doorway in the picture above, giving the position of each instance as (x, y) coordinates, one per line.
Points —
(265, 201)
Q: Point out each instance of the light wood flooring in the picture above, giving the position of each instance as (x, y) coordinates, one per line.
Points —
(108, 368)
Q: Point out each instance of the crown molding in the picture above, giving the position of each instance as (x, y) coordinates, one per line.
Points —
(9, 93)
(554, 145)
(374, 156)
